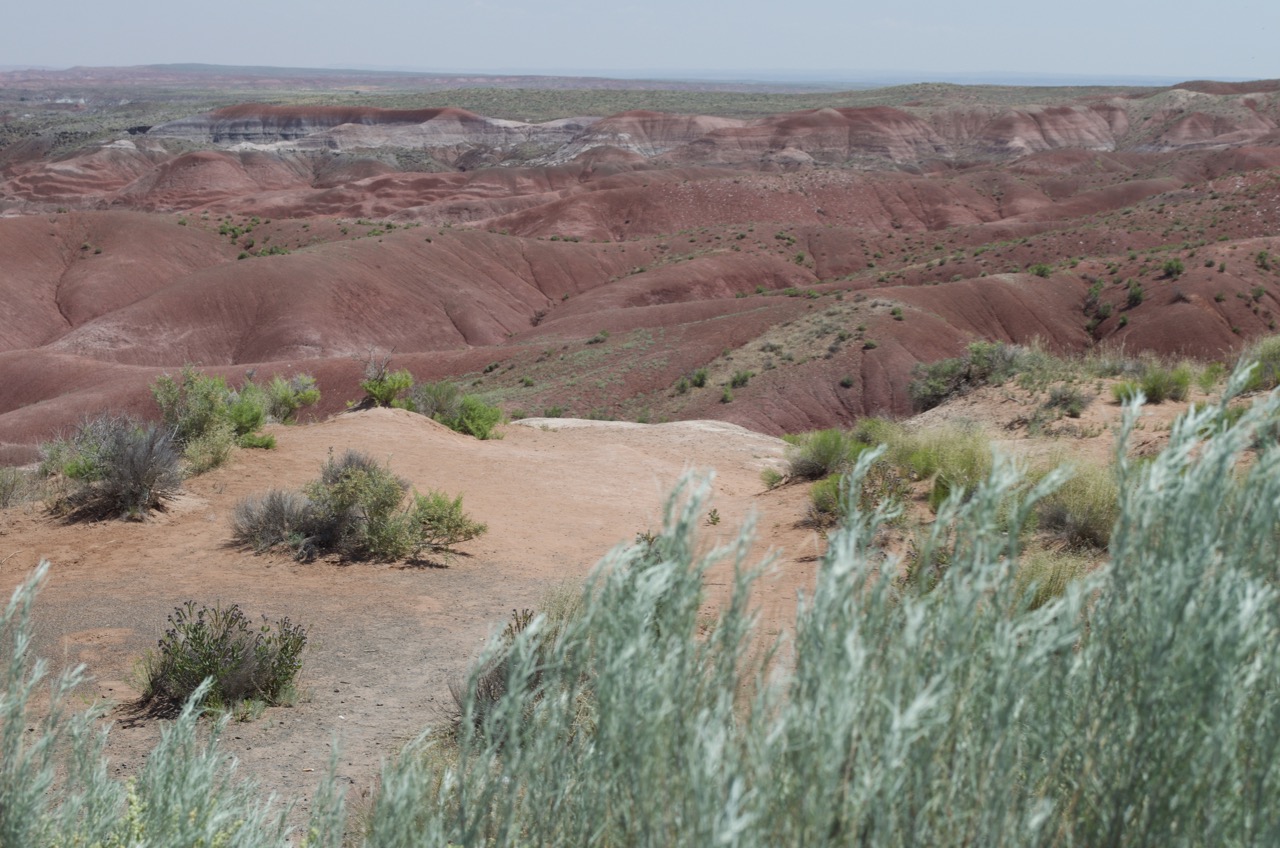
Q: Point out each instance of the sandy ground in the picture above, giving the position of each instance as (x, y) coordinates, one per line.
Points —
(386, 640)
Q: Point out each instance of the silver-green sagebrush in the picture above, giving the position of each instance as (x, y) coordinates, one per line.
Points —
(1137, 707)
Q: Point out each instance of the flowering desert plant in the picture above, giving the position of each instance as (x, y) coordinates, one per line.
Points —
(242, 661)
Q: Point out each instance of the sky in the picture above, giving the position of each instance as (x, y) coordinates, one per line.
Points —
(815, 39)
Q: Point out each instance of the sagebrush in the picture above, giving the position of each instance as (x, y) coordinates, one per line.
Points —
(111, 465)
(1010, 702)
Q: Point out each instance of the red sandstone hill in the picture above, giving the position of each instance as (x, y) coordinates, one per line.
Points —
(826, 251)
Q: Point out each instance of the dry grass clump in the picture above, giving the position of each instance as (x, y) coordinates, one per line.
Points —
(1045, 574)
(1084, 509)
(821, 453)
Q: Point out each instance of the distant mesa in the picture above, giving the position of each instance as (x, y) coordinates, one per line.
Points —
(942, 129)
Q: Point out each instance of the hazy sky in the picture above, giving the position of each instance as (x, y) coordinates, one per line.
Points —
(1122, 38)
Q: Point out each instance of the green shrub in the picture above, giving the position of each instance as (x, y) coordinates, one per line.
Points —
(385, 387)
(260, 441)
(727, 395)
(1124, 391)
(56, 787)
(1134, 294)
(441, 521)
(955, 458)
(826, 501)
(1173, 268)
(698, 378)
(207, 417)
(740, 379)
(247, 409)
(1041, 270)
(821, 454)
(1211, 376)
(113, 466)
(211, 448)
(772, 478)
(357, 509)
(286, 397)
(1160, 384)
(192, 405)
(985, 363)
(1180, 382)
(474, 417)
(875, 431)
(276, 518)
(243, 661)
(881, 487)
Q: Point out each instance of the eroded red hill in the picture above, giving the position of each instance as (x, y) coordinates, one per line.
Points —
(823, 253)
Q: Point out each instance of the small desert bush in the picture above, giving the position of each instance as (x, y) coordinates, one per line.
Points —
(442, 522)
(441, 400)
(875, 431)
(1210, 376)
(208, 418)
(385, 388)
(286, 397)
(444, 402)
(1125, 391)
(112, 466)
(276, 518)
(772, 478)
(822, 453)
(881, 487)
(1160, 383)
(247, 408)
(359, 502)
(826, 501)
(192, 405)
(358, 509)
(474, 417)
(1083, 510)
(56, 787)
(242, 660)
(984, 363)
(1068, 400)
(260, 441)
